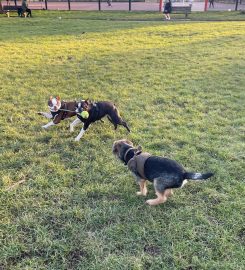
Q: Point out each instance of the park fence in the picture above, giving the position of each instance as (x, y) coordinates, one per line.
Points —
(123, 5)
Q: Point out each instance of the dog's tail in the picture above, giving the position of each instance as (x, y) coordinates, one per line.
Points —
(197, 176)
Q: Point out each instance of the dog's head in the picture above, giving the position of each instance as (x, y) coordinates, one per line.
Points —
(120, 148)
(83, 105)
(54, 103)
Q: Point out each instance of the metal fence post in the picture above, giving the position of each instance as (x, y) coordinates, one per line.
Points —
(46, 4)
(236, 5)
(69, 4)
(129, 5)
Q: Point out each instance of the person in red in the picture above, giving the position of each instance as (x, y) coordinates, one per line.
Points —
(167, 9)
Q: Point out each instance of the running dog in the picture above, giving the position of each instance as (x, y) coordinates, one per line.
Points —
(96, 111)
(60, 110)
(165, 173)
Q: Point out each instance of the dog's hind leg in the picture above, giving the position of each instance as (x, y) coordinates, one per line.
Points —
(47, 115)
(117, 120)
(162, 191)
(168, 192)
(109, 118)
(74, 123)
(49, 125)
(125, 125)
(112, 121)
(161, 198)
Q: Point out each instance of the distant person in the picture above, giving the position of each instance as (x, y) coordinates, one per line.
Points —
(25, 9)
(211, 3)
(167, 9)
(109, 3)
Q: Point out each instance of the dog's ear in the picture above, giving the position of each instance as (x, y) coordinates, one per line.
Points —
(50, 98)
(58, 98)
(139, 148)
(128, 142)
(86, 104)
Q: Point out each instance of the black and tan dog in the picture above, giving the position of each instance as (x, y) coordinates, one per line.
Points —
(165, 173)
(60, 110)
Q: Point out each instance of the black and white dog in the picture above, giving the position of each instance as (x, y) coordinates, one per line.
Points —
(96, 111)
(60, 110)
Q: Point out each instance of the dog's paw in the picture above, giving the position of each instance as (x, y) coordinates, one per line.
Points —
(44, 127)
(39, 113)
(139, 193)
(71, 129)
(150, 202)
(77, 139)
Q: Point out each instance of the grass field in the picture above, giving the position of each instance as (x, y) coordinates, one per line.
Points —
(180, 86)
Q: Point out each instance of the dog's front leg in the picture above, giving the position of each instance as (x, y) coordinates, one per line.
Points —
(143, 189)
(85, 127)
(48, 125)
(74, 123)
(79, 136)
(47, 115)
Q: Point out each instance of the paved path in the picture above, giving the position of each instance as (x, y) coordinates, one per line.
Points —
(136, 6)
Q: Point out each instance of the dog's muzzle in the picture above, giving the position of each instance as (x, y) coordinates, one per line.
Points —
(79, 107)
(54, 108)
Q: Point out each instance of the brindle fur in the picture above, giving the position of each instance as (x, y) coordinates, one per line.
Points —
(165, 174)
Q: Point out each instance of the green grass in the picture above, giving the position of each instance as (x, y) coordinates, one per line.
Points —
(138, 15)
(180, 86)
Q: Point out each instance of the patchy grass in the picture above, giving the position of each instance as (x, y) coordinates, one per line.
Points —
(180, 85)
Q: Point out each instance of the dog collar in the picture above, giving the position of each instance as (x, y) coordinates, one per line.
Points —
(125, 155)
(135, 153)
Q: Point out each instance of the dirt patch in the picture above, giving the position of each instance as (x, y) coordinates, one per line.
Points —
(152, 250)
